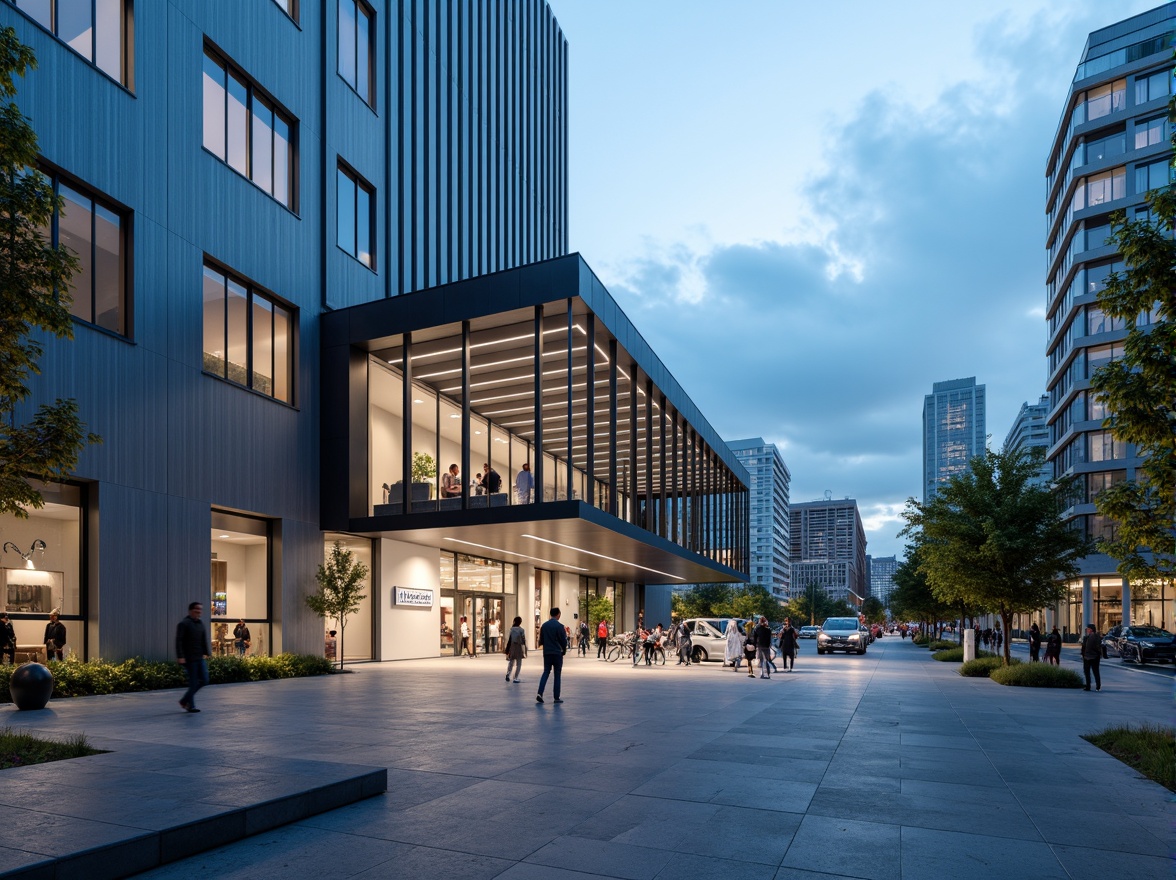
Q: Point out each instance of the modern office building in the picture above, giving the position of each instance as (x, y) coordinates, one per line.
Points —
(828, 552)
(1030, 430)
(769, 518)
(1112, 145)
(300, 222)
(882, 569)
(954, 430)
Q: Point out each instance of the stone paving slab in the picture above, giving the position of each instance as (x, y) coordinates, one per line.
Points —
(137, 807)
(887, 766)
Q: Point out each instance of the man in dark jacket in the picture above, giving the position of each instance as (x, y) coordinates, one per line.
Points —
(7, 639)
(762, 636)
(789, 643)
(54, 638)
(553, 640)
(1034, 644)
(192, 651)
(1091, 655)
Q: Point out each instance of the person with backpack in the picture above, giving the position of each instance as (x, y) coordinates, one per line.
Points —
(582, 644)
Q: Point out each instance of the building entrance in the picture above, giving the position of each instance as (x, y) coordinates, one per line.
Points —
(488, 619)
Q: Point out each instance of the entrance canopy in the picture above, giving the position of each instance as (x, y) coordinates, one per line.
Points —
(523, 412)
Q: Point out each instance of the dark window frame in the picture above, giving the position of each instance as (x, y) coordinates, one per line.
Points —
(352, 77)
(254, 94)
(252, 291)
(359, 182)
(57, 178)
(126, 65)
(291, 13)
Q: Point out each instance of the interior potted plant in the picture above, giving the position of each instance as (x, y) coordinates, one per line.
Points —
(424, 470)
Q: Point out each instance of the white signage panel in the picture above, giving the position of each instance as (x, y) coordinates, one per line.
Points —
(407, 596)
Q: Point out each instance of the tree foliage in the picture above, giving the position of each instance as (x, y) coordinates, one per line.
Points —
(994, 539)
(873, 610)
(725, 600)
(34, 298)
(912, 597)
(594, 609)
(812, 605)
(340, 589)
(1139, 391)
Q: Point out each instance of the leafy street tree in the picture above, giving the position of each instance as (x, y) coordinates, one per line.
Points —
(1139, 391)
(754, 600)
(595, 609)
(912, 597)
(34, 297)
(340, 589)
(703, 600)
(993, 538)
(874, 610)
(812, 606)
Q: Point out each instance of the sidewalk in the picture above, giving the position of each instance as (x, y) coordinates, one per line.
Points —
(883, 766)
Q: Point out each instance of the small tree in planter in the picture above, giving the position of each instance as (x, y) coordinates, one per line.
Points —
(424, 470)
(339, 594)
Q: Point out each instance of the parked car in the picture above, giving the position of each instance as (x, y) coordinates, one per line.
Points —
(841, 634)
(708, 637)
(808, 632)
(1146, 644)
(1110, 642)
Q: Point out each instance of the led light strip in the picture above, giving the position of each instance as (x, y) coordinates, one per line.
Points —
(514, 553)
(602, 556)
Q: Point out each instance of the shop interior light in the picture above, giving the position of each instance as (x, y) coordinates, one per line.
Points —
(38, 545)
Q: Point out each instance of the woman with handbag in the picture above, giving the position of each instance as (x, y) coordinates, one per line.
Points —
(515, 648)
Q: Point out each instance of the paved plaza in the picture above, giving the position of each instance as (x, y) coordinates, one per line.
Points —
(886, 766)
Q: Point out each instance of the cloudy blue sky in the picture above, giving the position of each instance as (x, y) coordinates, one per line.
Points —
(813, 211)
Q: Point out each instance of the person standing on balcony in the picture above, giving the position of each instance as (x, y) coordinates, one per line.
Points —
(525, 483)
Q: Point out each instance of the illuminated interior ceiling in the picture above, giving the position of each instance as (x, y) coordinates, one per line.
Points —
(502, 383)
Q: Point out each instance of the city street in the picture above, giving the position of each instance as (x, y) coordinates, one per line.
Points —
(883, 766)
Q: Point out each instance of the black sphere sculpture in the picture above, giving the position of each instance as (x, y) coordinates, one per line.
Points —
(31, 686)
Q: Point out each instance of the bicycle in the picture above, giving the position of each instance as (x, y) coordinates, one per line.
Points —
(620, 646)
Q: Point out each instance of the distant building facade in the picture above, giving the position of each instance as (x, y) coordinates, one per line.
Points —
(1112, 145)
(770, 524)
(1030, 430)
(954, 430)
(828, 549)
(882, 569)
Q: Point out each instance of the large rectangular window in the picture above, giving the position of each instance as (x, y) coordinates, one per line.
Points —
(246, 130)
(356, 27)
(1157, 85)
(1149, 132)
(1105, 446)
(94, 231)
(1152, 176)
(248, 335)
(95, 29)
(355, 217)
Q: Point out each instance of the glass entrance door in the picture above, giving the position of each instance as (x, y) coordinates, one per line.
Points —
(447, 625)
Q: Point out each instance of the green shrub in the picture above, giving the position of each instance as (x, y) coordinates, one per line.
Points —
(982, 667)
(20, 749)
(956, 655)
(1037, 675)
(944, 644)
(1149, 749)
(76, 678)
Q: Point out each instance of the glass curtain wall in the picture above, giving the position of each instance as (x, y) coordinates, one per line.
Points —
(551, 388)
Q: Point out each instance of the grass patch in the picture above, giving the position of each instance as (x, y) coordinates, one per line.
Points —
(1148, 749)
(956, 655)
(75, 678)
(22, 749)
(1037, 675)
(982, 667)
(944, 644)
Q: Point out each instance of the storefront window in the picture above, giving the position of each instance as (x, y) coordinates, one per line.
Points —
(42, 572)
(357, 635)
(240, 583)
(1107, 593)
(483, 592)
(1153, 604)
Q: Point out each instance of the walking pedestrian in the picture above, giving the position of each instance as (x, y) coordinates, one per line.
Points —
(192, 651)
(584, 636)
(601, 639)
(553, 642)
(467, 642)
(762, 635)
(789, 642)
(684, 643)
(1091, 656)
(749, 651)
(241, 637)
(493, 632)
(516, 648)
(1053, 647)
(1034, 644)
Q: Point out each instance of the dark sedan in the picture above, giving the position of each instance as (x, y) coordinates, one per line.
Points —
(1146, 644)
(1110, 642)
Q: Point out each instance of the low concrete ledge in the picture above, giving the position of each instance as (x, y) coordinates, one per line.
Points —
(65, 822)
